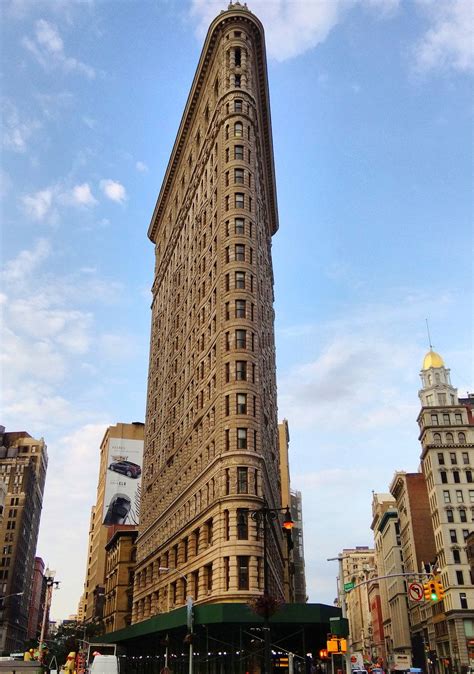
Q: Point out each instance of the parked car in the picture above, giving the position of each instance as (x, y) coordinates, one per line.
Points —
(118, 509)
(126, 468)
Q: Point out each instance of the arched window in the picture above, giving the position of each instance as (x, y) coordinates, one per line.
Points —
(238, 130)
(461, 438)
(449, 438)
(227, 132)
(437, 438)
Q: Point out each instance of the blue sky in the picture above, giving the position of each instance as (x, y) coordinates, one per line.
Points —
(373, 122)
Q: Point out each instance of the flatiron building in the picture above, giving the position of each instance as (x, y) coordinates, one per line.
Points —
(211, 453)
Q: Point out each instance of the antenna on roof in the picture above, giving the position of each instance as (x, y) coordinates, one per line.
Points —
(429, 336)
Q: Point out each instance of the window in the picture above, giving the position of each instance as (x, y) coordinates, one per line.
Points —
(237, 81)
(456, 557)
(456, 476)
(462, 440)
(238, 105)
(208, 577)
(465, 533)
(458, 417)
(241, 338)
(240, 280)
(227, 481)
(227, 154)
(471, 495)
(450, 515)
(227, 372)
(241, 370)
(449, 438)
(240, 308)
(239, 225)
(444, 477)
(241, 438)
(239, 200)
(452, 456)
(459, 496)
(240, 252)
(238, 130)
(242, 480)
(442, 398)
(447, 496)
(434, 419)
(440, 457)
(237, 56)
(437, 439)
(463, 599)
(468, 476)
(243, 572)
(462, 516)
(242, 524)
(239, 176)
(446, 419)
(465, 457)
(452, 536)
(238, 151)
(241, 403)
(226, 573)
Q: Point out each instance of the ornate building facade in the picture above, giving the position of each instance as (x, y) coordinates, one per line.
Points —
(447, 459)
(211, 448)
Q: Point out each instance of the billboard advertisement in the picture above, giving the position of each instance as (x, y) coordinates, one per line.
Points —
(123, 481)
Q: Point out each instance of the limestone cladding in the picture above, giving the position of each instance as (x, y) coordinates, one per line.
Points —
(211, 445)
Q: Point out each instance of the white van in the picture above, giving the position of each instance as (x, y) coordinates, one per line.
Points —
(105, 664)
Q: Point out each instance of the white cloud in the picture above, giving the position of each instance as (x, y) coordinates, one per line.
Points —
(47, 47)
(294, 26)
(113, 190)
(449, 41)
(17, 130)
(26, 261)
(89, 122)
(82, 195)
(141, 167)
(39, 204)
(52, 104)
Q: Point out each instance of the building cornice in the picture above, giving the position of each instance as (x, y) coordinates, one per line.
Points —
(213, 34)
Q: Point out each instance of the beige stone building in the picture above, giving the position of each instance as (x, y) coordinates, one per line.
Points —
(92, 600)
(447, 459)
(358, 564)
(418, 551)
(211, 449)
(295, 570)
(23, 464)
(119, 571)
(393, 591)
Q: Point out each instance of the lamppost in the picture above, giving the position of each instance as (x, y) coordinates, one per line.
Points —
(50, 584)
(189, 604)
(14, 594)
(262, 515)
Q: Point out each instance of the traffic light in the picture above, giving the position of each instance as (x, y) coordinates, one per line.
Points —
(427, 591)
(431, 591)
(439, 589)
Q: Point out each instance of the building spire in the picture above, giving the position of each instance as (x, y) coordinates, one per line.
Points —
(429, 336)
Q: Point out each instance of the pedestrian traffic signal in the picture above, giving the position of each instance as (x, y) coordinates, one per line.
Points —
(323, 654)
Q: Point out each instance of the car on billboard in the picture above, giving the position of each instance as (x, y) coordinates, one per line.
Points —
(127, 468)
(118, 510)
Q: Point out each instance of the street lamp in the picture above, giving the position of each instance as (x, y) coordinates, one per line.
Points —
(50, 584)
(262, 515)
(14, 594)
(189, 603)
